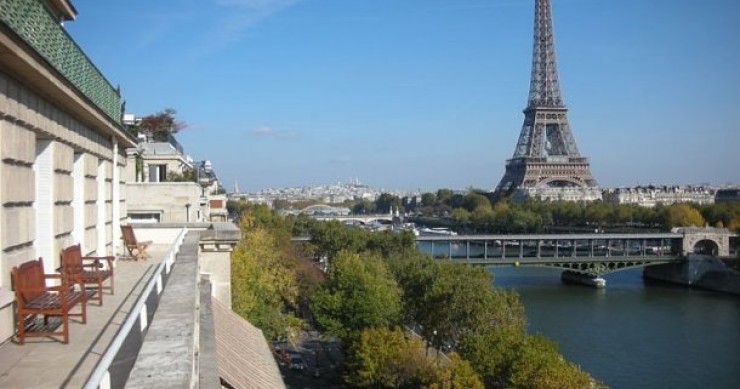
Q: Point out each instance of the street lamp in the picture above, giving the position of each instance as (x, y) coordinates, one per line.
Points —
(205, 179)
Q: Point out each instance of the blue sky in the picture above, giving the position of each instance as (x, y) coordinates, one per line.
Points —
(424, 94)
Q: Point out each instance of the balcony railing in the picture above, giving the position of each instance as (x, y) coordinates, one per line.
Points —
(36, 26)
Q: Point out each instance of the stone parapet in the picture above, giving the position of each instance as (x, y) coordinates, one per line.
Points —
(169, 354)
(215, 246)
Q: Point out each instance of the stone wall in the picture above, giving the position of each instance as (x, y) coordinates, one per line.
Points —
(57, 186)
(174, 202)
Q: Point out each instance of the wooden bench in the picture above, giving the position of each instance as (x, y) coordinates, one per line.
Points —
(87, 270)
(136, 249)
(33, 298)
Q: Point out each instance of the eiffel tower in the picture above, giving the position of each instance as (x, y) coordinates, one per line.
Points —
(546, 161)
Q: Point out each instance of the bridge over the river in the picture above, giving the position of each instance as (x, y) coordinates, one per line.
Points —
(592, 255)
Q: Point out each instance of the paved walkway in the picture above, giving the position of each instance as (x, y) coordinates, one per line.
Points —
(46, 363)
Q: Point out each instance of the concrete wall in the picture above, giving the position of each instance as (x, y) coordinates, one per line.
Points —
(175, 164)
(39, 147)
(698, 271)
(167, 199)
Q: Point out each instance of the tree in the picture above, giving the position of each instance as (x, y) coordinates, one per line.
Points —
(684, 215)
(329, 238)
(457, 374)
(359, 293)
(263, 284)
(364, 206)
(491, 351)
(385, 203)
(188, 175)
(461, 217)
(414, 273)
(390, 359)
(470, 303)
(428, 199)
(387, 359)
(538, 365)
(161, 124)
(386, 243)
(444, 196)
(474, 201)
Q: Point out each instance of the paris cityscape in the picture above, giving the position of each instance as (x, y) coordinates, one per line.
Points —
(391, 194)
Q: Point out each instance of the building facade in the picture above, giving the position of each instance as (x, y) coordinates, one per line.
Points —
(62, 158)
(650, 196)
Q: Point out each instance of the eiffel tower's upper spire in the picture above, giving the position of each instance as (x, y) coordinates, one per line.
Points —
(544, 89)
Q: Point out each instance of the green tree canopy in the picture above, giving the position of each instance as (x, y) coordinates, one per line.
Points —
(263, 284)
(428, 199)
(385, 358)
(456, 374)
(474, 201)
(538, 365)
(684, 215)
(359, 293)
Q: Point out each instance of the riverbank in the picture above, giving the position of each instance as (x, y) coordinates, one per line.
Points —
(700, 272)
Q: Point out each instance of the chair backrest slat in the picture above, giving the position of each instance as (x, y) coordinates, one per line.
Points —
(128, 235)
(27, 277)
(72, 260)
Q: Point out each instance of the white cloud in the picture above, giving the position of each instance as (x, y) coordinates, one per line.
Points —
(269, 132)
(240, 15)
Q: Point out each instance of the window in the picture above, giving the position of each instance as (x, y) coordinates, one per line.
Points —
(157, 173)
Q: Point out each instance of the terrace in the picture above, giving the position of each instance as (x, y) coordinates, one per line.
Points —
(157, 330)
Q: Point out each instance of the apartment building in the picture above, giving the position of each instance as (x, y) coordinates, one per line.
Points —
(62, 149)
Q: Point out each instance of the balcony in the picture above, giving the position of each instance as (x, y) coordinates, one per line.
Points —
(160, 316)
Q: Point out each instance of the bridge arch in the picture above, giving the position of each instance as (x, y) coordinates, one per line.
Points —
(705, 241)
(706, 247)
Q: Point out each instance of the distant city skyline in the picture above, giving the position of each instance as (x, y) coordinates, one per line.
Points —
(425, 94)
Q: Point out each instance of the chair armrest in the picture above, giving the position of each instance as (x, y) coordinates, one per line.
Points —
(59, 288)
(107, 258)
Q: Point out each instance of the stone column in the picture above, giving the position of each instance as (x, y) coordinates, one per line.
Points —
(215, 247)
(116, 199)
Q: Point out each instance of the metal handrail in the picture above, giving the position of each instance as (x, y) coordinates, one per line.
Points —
(100, 377)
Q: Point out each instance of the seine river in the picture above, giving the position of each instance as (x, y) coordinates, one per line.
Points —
(634, 333)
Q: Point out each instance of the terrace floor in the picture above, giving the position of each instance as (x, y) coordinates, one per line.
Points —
(48, 363)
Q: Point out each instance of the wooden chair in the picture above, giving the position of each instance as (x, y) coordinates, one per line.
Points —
(87, 270)
(133, 245)
(33, 297)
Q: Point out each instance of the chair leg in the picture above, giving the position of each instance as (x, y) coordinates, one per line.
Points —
(21, 323)
(83, 303)
(100, 293)
(65, 324)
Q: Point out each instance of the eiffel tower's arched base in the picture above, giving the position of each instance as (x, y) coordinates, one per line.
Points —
(561, 178)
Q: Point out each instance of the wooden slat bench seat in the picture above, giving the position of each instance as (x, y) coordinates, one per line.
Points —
(88, 270)
(34, 298)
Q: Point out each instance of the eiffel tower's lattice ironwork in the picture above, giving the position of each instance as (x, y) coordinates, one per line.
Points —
(546, 154)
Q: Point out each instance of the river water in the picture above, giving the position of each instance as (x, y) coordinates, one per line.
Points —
(634, 333)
